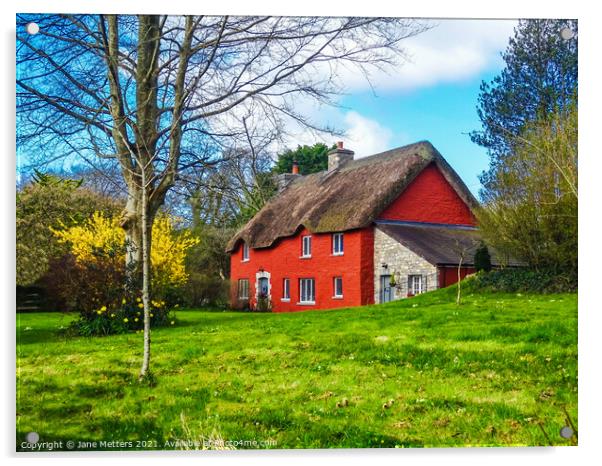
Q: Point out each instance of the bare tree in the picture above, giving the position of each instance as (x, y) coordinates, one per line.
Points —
(462, 249)
(151, 93)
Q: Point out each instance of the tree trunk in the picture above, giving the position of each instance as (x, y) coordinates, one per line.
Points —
(458, 297)
(146, 266)
(132, 226)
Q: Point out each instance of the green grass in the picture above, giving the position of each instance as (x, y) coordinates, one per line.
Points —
(498, 370)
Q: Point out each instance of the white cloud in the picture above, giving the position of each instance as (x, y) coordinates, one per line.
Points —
(451, 51)
(365, 136)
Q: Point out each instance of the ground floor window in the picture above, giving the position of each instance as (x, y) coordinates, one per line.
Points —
(286, 289)
(243, 288)
(307, 290)
(415, 284)
(338, 287)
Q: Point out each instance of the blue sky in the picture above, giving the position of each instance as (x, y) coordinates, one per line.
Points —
(431, 96)
(443, 114)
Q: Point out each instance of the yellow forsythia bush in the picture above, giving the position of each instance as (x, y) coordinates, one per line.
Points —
(101, 237)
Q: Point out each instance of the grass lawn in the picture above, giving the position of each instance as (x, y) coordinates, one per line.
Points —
(498, 370)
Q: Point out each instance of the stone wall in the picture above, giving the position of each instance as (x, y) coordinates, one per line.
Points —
(401, 262)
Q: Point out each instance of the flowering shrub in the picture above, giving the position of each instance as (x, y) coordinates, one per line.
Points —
(101, 238)
(95, 282)
(128, 316)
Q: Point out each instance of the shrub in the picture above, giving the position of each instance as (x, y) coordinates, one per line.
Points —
(482, 259)
(124, 317)
(100, 240)
(84, 287)
(93, 279)
(237, 303)
(264, 304)
(205, 290)
(514, 280)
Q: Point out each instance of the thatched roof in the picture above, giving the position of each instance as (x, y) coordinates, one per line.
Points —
(441, 244)
(346, 198)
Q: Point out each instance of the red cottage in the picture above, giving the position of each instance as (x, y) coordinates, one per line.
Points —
(365, 231)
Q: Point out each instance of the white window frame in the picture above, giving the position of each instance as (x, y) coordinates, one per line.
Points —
(335, 293)
(307, 291)
(245, 252)
(306, 241)
(412, 281)
(338, 246)
(286, 289)
(240, 288)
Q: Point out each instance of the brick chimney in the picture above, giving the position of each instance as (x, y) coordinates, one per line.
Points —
(339, 157)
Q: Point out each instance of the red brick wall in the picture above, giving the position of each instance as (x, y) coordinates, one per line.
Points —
(429, 198)
(283, 261)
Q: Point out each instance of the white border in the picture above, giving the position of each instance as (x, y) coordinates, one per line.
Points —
(590, 321)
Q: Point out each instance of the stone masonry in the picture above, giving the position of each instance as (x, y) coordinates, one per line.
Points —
(400, 262)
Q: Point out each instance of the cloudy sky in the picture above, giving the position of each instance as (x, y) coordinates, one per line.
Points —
(432, 96)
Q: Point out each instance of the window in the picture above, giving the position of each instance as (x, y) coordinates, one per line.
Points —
(338, 287)
(243, 288)
(306, 249)
(415, 284)
(337, 244)
(245, 252)
(286, 289)
(307, 291)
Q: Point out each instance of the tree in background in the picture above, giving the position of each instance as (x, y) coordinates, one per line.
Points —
(49, 201)
(531, 207)
(540, 77)
(311, 159)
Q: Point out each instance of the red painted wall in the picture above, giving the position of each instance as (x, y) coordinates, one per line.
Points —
(449, 275)
(283, 261)
(429, 198)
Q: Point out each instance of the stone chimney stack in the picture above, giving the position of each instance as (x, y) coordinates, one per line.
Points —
(339, 157)
(285, 179)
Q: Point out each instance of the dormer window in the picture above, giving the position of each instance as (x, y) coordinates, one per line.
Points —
(337, 244)
(245, 252)
(306, 246)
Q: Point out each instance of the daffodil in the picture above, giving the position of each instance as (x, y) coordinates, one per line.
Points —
(152, 315)
(138, 300)
(136, 319)
(140, 305)
(123, 301)
(103, 309)
(125, 320)
(99, 312)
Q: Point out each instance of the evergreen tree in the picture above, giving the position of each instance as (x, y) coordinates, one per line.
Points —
(311, 159)
(482, 259)
(540, 77)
